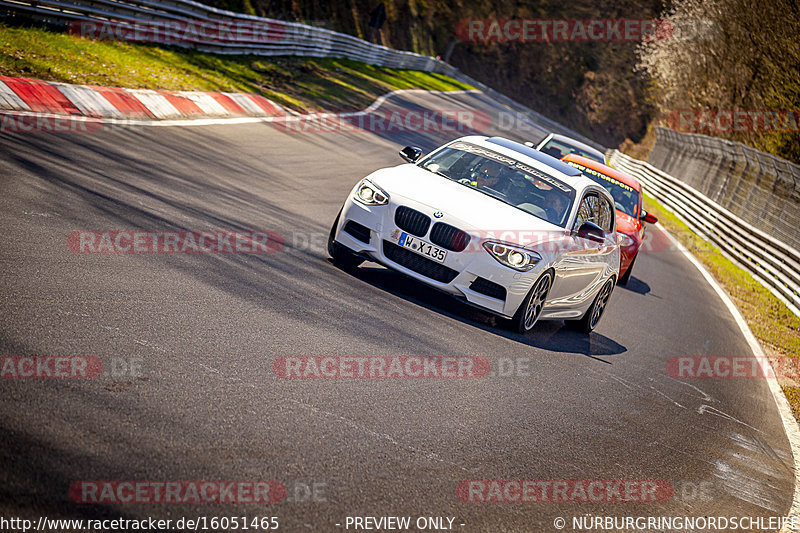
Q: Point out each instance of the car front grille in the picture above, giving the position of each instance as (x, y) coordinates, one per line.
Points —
(449, 237)
(417, 263)
(412, 221)
(488, 288)
(357, 230)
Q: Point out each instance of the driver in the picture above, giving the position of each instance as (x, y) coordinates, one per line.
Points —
(487, 175)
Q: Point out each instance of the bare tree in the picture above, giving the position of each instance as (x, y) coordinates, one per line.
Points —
(729, 54)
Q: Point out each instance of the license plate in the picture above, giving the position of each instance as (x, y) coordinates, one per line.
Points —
(421, 247)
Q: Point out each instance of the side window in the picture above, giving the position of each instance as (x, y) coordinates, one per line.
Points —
(605, 214)
(587, 210)
(596, 209)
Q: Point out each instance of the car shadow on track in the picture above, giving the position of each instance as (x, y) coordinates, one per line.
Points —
(636, 285)
(550, 335)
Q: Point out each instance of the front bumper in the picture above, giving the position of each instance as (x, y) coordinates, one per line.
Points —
(463, 272)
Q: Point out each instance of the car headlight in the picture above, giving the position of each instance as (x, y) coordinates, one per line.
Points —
(625, 240)
(513, 256)
(370, 194)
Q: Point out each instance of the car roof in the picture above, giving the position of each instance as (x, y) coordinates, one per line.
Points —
(577, 144)
(605, 169)
(534, 158)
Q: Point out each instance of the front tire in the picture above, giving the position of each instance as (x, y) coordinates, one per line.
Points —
(531, 308)
(595, 312)
(340, 254)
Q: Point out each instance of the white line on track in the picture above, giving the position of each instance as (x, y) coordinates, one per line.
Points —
(787, 417)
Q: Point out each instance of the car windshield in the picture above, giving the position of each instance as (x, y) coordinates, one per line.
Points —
(626, 198)
(559, 149)
(505, 179)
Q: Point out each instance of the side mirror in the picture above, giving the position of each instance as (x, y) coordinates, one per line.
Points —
(411, 153)
(592, 232)
(647, 217)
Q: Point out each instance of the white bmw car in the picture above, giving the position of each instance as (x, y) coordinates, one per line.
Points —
(492, 222)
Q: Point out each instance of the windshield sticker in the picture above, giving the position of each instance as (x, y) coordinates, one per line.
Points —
(513, 163)
(600, 175)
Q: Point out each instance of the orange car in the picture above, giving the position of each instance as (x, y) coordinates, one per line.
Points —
(627, 193)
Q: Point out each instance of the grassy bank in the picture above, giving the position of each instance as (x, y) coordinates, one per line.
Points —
(776, 328)
(302, 84)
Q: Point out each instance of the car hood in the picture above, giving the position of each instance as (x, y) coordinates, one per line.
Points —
(627, 224)
(464, 207)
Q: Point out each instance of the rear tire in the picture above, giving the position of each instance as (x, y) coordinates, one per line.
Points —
(627, 277)
(340, 254)
(595, 312)
(531, 307)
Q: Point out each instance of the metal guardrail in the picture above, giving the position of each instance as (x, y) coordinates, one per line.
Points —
(275, 38)
(757, 187)
(773, 263)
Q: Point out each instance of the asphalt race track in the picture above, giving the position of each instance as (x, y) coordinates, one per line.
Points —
(204, 330)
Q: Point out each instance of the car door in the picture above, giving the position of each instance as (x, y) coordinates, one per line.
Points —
(606, 256)
(582, 264)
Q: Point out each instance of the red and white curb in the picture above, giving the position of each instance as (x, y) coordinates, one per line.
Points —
(38, 96)
(85, 106)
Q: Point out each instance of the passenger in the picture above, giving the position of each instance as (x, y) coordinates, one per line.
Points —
(555, 206)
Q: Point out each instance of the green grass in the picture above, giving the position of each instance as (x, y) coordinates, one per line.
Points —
(303, 84)
(775, 327)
